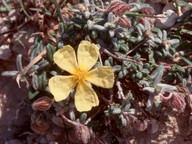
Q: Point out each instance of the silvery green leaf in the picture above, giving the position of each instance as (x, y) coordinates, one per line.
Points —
(151, 43)
(174, 42)
(109, 25)
(189, 79)
(120, 35)
(182, 3)
(40, 82)
(111, 33)
(43, 64)
(136, 56)
(34, 68)
(38, 47)
(124, 47)
(157, 75)
(145, 71)
(157, 40)
(61, 28)
(133, 66)
(139, 75)
(155, 29)
(116, 68)
(164, 35)
(83, 118)
(120, 55)
(129, 95)
(87, 14)
(33, 54)
(106, 63)
(159, 53)
(160, 34)
(140, 67)
(166, 53)
(126, 107)
(186, 60)
(94, 34)
(151, 37)
(9, 73)
(72, 115)
(126, 64)
(122, 73)
(186, 31)
(166, 87)
(140, 38)
(127, 100)
(150, 100)
(44, 79)
(98, 27)
(140, 32)
(110, 60)
(166, 48)
(132, 39)
(110, 17)
(123, 120)
(116, 110)
(98, 19)
(144, 83)
(75, 10)
(146, 65)
(177, 68)
(53, 73)
(179, 76)
(32, 95)
(141, 27)
(133, 76)
(19, 62)
(35, 83)
(151, 57)
(50, 51)
(149, 89)
(90, 24)
(132, 111)
(184, 82)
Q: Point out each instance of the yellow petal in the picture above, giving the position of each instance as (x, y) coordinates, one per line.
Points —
(87, 55)
(65, 58)
(101, 76)
(85, 97)
(61, 86)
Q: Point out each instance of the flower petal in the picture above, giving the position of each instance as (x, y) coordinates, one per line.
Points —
(65, 58)
(87, 55)
(101, 76)
(85, 97)
(61, 86)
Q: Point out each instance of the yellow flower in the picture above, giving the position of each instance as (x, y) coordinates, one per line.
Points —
(81, 75)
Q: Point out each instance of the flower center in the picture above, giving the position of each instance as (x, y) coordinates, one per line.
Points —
(80, 75)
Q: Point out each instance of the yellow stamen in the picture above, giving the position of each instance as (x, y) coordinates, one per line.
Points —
(80, 75)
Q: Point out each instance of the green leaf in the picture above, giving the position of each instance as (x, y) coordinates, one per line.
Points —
(157, 75)
(186, 60)
(83, 118)
(19, 62)
(183, 3)
(177, 68)
(32, 95)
